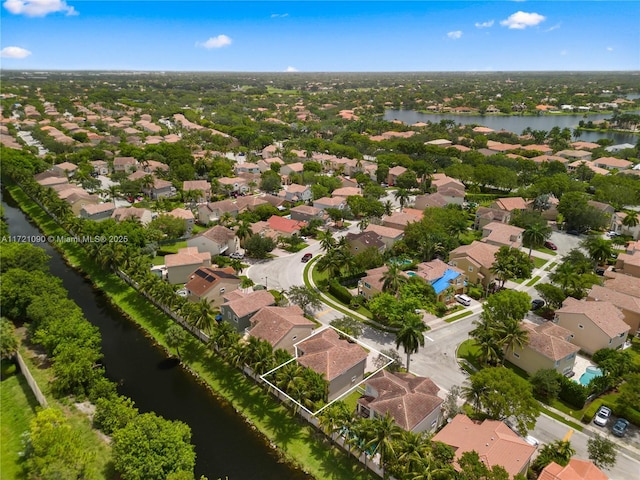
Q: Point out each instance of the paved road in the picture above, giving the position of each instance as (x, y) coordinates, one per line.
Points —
(437, 359)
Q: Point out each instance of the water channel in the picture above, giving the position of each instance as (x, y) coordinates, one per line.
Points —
(518, 123)
(226, 446)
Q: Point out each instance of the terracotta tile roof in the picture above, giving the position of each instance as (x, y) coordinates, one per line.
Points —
(273, 323)
(329, 201)
(250, 303)
(347, 192)
(502, 233)
(401, 218)
(511, 203)
(625, 284)
(201, 185)
(406, 398)
(187, 256)
(576, 469)
(493, 214)
(481, 253)
(435, 269)
(604, 315)
(306, 210)
(385, 232)
(431, 200)
(612, 162)
(619, 299)
(218, 234)
(251, 202)
(585, 145)
(398, 170)
(285, 225)
(494, 442)
(92, 209)
(181, 213)
(205, 278)
(295, 188)
(328, 355)
(550, 340)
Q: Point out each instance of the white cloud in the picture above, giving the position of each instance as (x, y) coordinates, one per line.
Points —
(38, 8)
(279, 15)
(455, 34)
(14, 52)
(609, 49)
(522, 20)
(215, 42)
(555, 27)
(291, 69)
(564, 52)
(484, 24)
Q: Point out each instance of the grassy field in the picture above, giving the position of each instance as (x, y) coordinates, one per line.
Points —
(17, 408)
(298, 442)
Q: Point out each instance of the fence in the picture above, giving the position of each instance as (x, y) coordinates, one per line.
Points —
(31, 381)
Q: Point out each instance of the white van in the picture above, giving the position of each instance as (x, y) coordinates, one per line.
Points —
(463, 299)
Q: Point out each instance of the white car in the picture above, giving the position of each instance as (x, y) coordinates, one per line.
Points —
(463, 299)
(602, 417)
(237, 255)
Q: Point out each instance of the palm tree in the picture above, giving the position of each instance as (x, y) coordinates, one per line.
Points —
(363, 223)
(327, 242)
(535, 234)
(631, 219)
(412, 450)
(512, 335)
(402, 196)
(411, 335)
(474, 394)
(334, 418)
(566, 277)
(383, 431)
(388, 207)
(202, 317)
(331, 262)
(393, 279)
(600, 249)
(243, 231)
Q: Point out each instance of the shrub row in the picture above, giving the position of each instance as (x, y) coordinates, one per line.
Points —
(340, 292)
(572, 392)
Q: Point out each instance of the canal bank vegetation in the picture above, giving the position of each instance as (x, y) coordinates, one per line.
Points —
(298, 441)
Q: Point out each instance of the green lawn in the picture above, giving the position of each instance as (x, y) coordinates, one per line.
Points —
(172, 247)
(298, 441)
(533, 281)
(538, 262)
(17, 408)
(459, 316)
(545, 250)
(469, 351)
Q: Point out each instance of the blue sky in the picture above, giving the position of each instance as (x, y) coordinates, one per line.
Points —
(314, 36)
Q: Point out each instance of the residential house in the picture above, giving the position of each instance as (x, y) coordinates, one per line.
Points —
(618, 226)
(486, 215)
(431, 200)
(212, 212)
(628, 304)
(265, 164)
(340, 362)
(97, 212)
(611, 163)
(394, 173)
(580, 145)
(619, 147)
(388, 235)
(607, 210)
(285, 227)
(359, 242)
(628, 263)
(576, 469)
(124, 164)
(251, 202)
(411, 401)
(141, 215)
(573, 166)
(100, 167)
(217, 240)
(282, 327)
(475, 260)
(200, 188)
(510, 204)
(297, 193)
(445, 279)
(330, 202)
(548, 347)
(247, 167)
(400, 220)
(372, 283)
(211, 284)
(235, 184)
(348, 182)
(495, 443)
(65, 168)
(186, 216)
(306, 213)
(291, 168)
(575, 155)
(182, 264)
(239, 307)
(502, 234)
(595, 325)
(78, 198)
(160, 189)
(347, 192)
(440, 142)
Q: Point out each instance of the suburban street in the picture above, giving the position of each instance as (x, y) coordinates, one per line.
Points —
(437, 359)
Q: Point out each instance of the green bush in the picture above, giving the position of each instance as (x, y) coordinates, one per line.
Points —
(475, 293)
(441, 309)
(572, 393)
(340, 292)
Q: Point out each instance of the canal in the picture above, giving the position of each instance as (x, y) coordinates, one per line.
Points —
(226, 446)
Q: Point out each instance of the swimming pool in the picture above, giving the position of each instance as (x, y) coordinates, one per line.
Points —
(590, 374)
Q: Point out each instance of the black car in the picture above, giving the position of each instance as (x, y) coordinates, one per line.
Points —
(537, 304)
(306, 257)
(619, 428)
(573, 232)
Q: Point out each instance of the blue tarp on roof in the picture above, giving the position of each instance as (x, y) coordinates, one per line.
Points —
(443, 282)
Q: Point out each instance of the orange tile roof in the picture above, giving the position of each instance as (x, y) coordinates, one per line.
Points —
(604, 315)
(576, 469)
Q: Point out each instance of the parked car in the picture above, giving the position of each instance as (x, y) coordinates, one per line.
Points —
(573, 232)
(612, 234)
(237, 255)
(620, 427)
(306, 257)
(537, 304)
(463, 299)
(599, 271)
(533, 441)
(602, 416)
(550, 245)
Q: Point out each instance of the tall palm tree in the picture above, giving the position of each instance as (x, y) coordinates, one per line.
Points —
(511, 335)
(412, 448)
(566, 277)
(474, 394)
(631, 219)
(388, 207)
(327, 242)
(535, 234)
(393, 279)
(411, 335)
(202, 317)
(383, 432)
(243, 231)
(334, 418)
(402, 196)
(599, 249)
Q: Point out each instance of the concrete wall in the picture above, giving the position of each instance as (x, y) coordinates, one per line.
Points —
(31, 381)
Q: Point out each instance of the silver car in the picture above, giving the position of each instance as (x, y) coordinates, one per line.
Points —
(603, 416)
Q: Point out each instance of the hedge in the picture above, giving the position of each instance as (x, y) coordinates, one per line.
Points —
(339, 292)
(572, 392)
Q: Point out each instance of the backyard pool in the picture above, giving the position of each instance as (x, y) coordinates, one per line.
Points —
(590, 374)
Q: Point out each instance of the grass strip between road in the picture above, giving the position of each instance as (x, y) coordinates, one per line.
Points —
(533, 281)
(297, 441)
(459, 316)
(560, 418)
